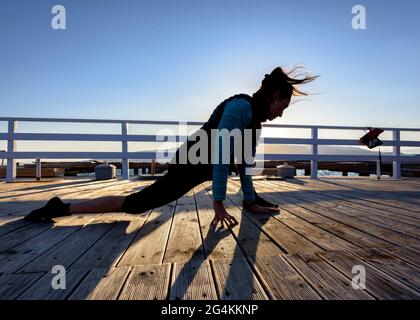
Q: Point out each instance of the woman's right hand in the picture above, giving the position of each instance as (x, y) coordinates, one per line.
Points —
(221, 215)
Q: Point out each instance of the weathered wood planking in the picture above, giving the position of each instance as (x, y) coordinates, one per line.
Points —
(396, 268)
(148, 247)
(147, 282)
(192, 281)
(67, 252)
(251, 239)
(21, 235)
(410, 255)
(282, 281)
(372, 194)
(13, 285)
(17, 257)
(279, 233)
(235, 280)
(218, 243)
(322, 238)
(43, 289)
(109, 249)
(266, 273)
(380, 285)
(11, 224)
(403, 186)
(33, 200)
(357, 237)
(101, 284)
(185, 243)
(362, 212)
(325, 279)
(342, 216)
(374, 202)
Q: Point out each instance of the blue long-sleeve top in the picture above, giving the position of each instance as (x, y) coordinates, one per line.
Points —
(237, 114)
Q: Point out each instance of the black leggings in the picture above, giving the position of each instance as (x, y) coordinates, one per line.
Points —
(178, 181)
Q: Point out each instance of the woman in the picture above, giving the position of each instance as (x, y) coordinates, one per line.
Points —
(238, 112)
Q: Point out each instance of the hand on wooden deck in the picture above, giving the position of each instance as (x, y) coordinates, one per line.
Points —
(253, 207)
(221, 215)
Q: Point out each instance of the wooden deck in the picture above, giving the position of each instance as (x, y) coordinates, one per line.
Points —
(307, 251)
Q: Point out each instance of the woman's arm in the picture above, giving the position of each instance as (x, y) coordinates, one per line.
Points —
(236, 115)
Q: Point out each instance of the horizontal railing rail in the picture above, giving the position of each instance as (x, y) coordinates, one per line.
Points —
(11, 136)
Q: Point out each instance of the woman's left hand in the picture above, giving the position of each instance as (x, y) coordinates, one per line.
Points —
(253, 207)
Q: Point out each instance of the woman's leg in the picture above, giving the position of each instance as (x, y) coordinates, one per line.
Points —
(170, 187)
(98, 205)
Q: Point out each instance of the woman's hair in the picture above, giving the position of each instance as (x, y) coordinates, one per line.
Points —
(284, 82)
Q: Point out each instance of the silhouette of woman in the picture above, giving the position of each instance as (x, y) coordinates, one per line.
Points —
(241, 112)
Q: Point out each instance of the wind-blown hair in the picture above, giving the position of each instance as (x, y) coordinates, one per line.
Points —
(280, 80)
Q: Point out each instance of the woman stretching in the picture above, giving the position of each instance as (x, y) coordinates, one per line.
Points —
(241, 112)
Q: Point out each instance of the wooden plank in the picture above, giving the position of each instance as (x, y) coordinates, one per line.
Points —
(218, 243)
(251, 240)
(101, 284)
(109, 249)
(88, 285)
(281, 281)
(391, 204)
(357, 237)
(192, 281)
(147, 282)
(27, 201)
(148, 247)
(408, 254)
(43, 290)
(394, 267)
(11, 224)
(236, 281)
(13, 285)
(396, 188)
(327, 281)
(68, 251)
(279, 233)
(322, 238)
(343, 217)
(17, 257)
(380, 285)
(363, 212)
(21, 235)
(370, 195)
(184, 243)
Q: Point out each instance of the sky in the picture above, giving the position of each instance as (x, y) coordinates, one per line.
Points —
(177, 60)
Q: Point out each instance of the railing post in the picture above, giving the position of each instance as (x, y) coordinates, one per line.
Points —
(125, 161)
(396, 165)
(314, 161)
(11, 146)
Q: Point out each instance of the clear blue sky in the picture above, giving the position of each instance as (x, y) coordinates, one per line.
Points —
(176, 60)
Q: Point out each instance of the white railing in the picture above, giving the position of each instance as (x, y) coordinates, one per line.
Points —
(12, 137)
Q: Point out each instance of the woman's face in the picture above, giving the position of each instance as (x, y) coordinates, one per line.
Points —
(277, 106)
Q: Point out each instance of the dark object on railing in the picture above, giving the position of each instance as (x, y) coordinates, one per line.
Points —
(371, 139)
(286, 171)
(105, 172)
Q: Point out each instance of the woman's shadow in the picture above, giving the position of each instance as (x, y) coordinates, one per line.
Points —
(241, 265)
